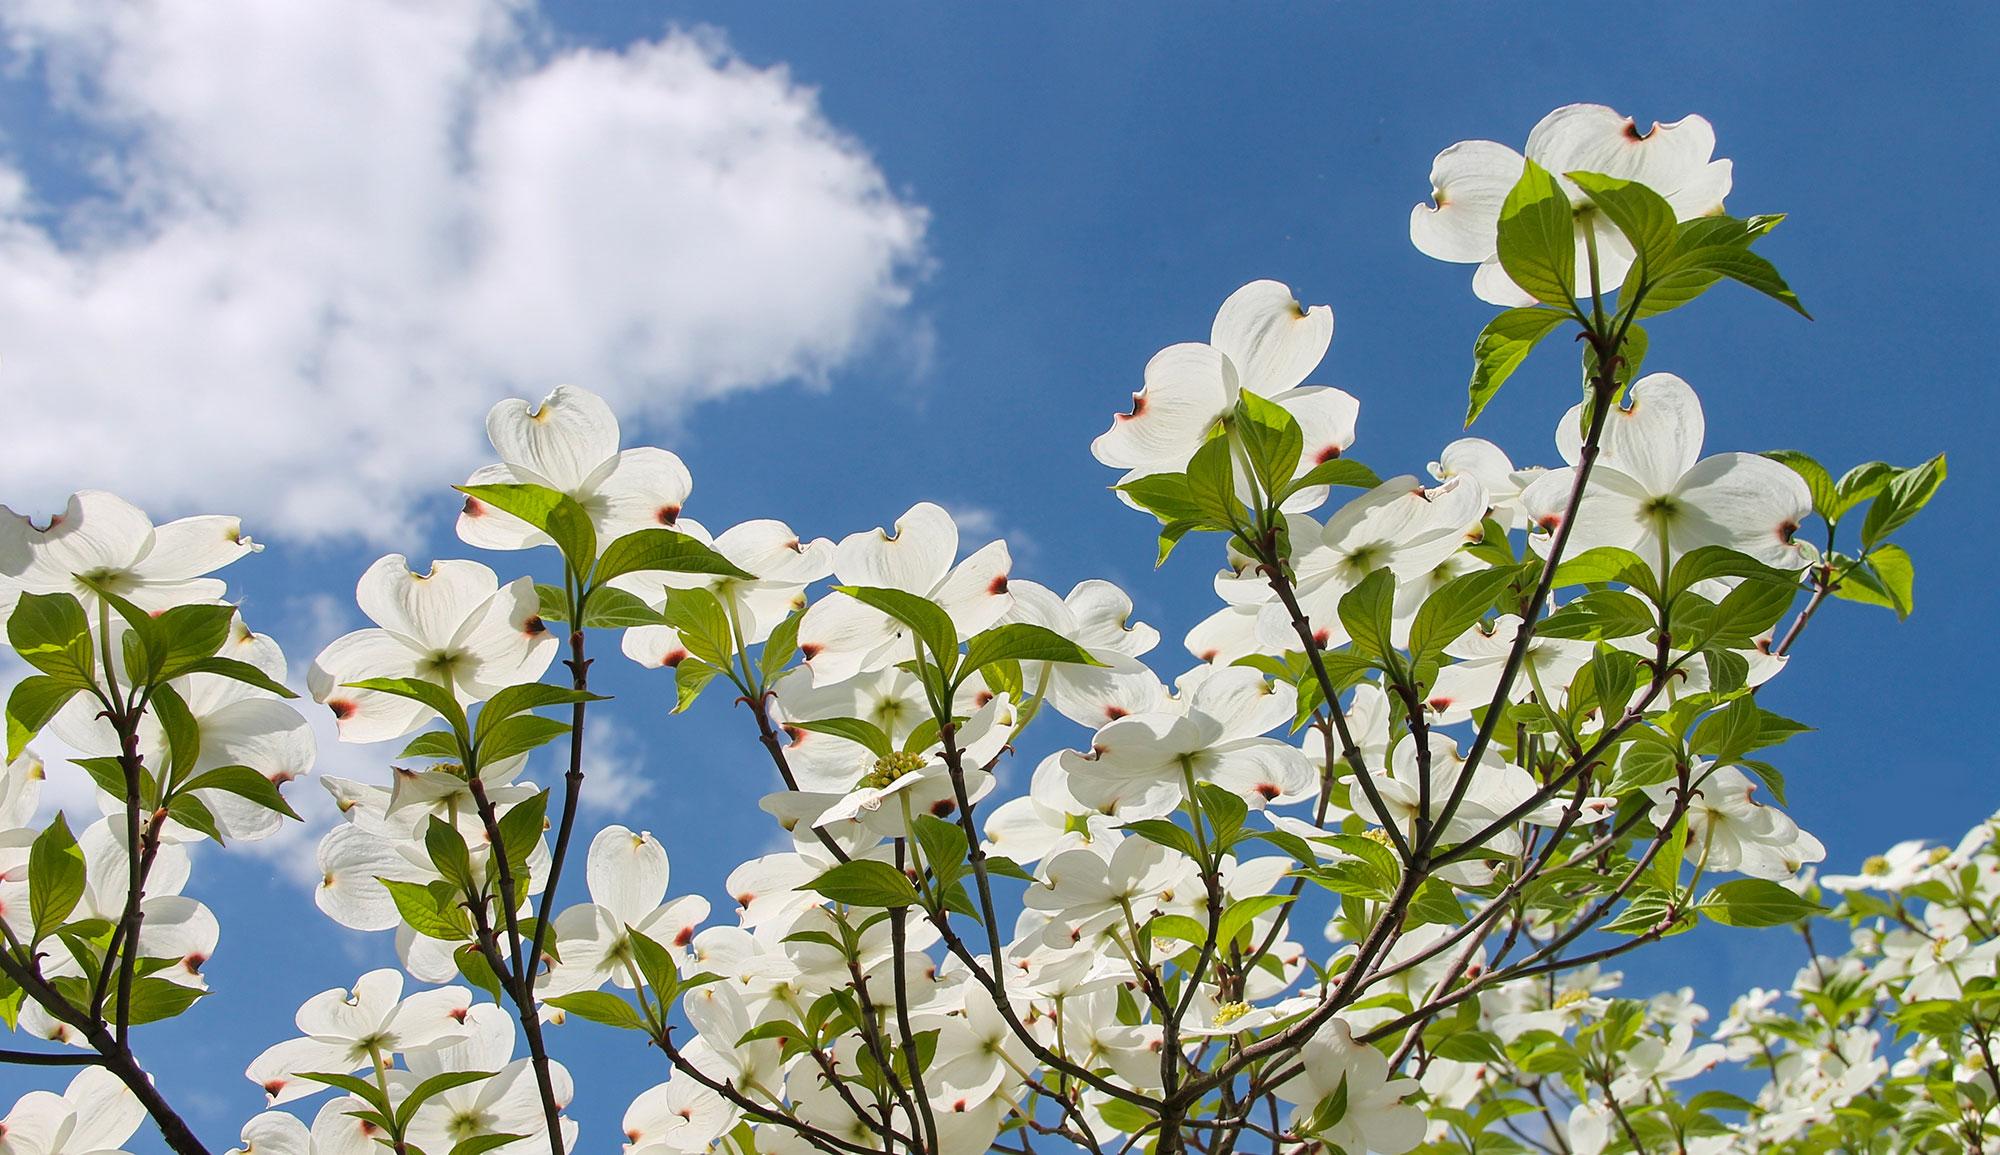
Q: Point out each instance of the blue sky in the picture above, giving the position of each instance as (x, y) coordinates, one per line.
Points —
(1089, 184)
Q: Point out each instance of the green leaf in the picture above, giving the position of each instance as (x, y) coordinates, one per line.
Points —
(183, 732)
(1452, 609)
(1212, 483)
(1888, 578)
(611, 608)
(1172, 533)
(1338, 471)
(1271, 440)
(1644, 216)
(1819, 482)
(1719, 561)
(52, 633)
(1368, 612)
(55, 878)
(1741, 265)
(432, 1087)
(1167, 834)
(1242, 912)
(1182, 927)
(1908, 491)
(1021, 642)
(554, 602)
(1745, 613)
(1608, 563)
(417, 690)
(518, 735)
(154, 999)
(779, 647)
(480, 1144)
(1000, 866)
(432, 744)
(944, 847)
(1599, 615)
(1503, 344)
(1225, 811)
(665, 550)
(431, 913)
(690, 678)
(530, 696)
(108, 773)
(1537, 238)
(1435, 902)
(360, 1088)
(240, 671)
(556, 514)
(34, 700)
(1164, 495)
(449, 853)
(244, 782)
(1648, 760)
(602, 1007)
(855, 730)
(656, 965)
(932, 626)
(1328, 1113)
(473, 964)
(1129, 1118)
(190, 635)
(1753, 902)
(697, 615)
(865, 882)
(521, 831)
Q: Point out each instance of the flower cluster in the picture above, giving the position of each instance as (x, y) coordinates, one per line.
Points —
(1343, 876)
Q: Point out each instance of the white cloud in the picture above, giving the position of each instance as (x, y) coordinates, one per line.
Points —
(614, 772)
(979, 524)
(329, 236)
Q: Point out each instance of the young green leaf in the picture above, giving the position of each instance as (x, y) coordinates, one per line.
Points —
(1367, 611)
(865, 882)
(244, 782)
(932, 626)
(665, 550)
(1022, 642)
(55, 878)
(1502, 345)
(556, 514)
(1537, 238)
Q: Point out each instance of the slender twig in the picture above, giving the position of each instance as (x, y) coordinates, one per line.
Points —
(516, 975)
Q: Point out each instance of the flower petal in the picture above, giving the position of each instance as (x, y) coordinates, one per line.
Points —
(564, 439)
(1272, 340)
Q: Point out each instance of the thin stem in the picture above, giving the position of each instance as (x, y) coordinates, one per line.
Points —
(515, 975)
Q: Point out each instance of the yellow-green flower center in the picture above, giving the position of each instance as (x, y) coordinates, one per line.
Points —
(1228, 1013)
(888, 768)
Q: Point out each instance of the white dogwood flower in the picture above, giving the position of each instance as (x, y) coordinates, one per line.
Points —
(626, 872)
(347, 1030)
(841, 637)
(455, 626)
(102, 540)
(569, 443)
(783, 564)
(1376, 1118)
(1652, 492)
(1139, 766)
(1470, 181)
(94, 1115)
(1263, 342)
(1733, 832)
